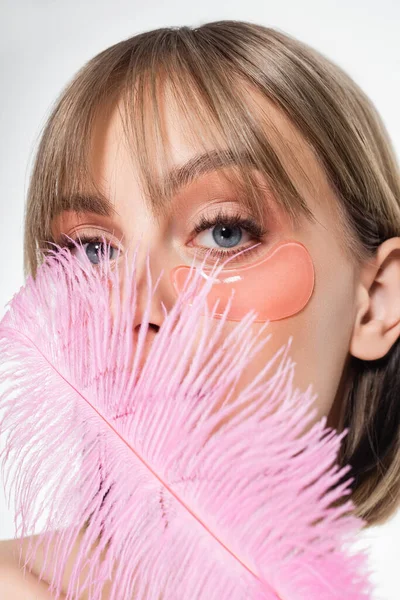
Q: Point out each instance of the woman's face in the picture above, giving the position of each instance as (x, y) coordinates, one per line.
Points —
(321, 330)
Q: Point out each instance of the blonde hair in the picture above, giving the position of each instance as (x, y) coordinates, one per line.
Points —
(207, 68)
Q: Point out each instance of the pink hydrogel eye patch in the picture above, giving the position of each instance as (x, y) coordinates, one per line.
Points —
(277, 286)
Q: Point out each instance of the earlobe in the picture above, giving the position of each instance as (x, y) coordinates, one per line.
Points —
(377, 323)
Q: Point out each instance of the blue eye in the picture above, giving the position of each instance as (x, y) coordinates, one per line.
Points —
(95, 248)
(227, 233)
(93, 252)
(223, 235)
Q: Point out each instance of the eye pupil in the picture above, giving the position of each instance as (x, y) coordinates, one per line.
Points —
(222, 234)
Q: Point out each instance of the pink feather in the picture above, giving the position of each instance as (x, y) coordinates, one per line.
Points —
(203, 496)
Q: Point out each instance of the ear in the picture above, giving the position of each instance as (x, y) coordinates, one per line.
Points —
(377, 322)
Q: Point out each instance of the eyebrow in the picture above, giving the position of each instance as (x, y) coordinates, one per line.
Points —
(176, 179)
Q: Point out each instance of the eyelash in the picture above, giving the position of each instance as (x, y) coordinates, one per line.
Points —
(228, 220)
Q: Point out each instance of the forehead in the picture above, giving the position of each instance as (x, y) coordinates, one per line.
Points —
(111, 156)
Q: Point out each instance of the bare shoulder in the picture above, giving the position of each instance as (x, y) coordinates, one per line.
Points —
(14, 582)
(7, 548)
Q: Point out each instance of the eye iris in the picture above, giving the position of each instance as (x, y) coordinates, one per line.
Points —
(221, 233)
(95, 254)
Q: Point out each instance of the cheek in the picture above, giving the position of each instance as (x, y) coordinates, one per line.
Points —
(317, 368)
(321, 334)
(279, 288)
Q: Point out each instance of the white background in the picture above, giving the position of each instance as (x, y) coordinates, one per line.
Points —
(44, 42)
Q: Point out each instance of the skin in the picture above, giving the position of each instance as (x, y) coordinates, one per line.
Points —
(353, 309)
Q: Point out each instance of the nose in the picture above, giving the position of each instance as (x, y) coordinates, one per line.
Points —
(144, 292)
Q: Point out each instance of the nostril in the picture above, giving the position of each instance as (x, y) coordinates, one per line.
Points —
(152, 326)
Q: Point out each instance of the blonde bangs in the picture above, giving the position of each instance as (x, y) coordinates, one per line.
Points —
(212, 116)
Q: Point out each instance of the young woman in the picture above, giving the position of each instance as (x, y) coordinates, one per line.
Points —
(228, 135)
